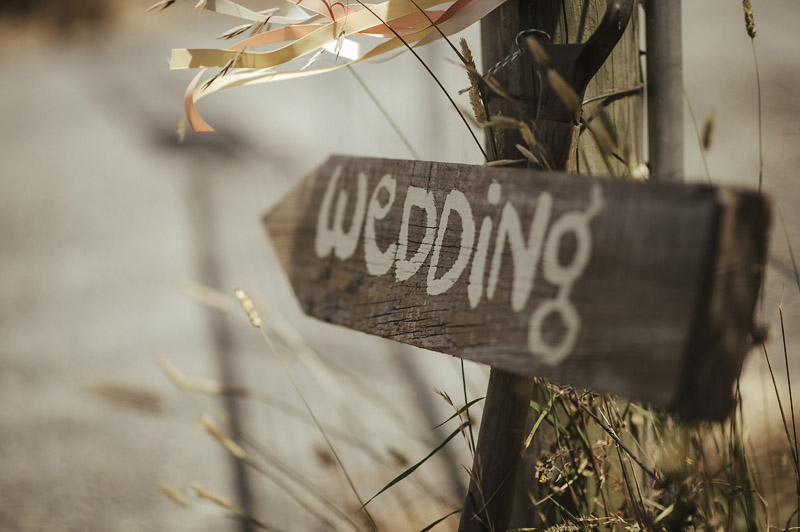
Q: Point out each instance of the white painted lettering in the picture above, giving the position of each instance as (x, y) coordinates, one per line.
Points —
(564, 277)
(420, 198)
(334, 238)
(379, 262)
(525, 257)
(456, 201)
(476, 274)
(494, 193)
(542, 247)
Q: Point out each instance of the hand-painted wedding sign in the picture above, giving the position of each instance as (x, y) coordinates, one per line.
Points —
(643, 290)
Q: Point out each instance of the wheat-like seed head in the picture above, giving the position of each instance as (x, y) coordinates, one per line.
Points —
(749, 19)
(248, 307)
(173, 494)
(538, 52)
(207, 495)
(707, 138)
(475, 100)
(230, 445)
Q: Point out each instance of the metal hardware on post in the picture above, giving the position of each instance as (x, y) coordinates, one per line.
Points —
(664, 90)
(578, 63)
(507, 60)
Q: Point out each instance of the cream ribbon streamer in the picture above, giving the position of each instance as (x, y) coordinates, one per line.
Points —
(408, 20)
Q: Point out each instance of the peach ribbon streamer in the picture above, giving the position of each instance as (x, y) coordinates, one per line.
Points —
(400, 15)
(365, 18)
(404, 26)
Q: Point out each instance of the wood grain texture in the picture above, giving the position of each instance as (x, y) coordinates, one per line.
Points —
(668, 288)
(498, 453)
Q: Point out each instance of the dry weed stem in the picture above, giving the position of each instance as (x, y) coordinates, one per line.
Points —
(248, 307)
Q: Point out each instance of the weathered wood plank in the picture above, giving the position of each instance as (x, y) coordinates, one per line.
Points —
(608, 284)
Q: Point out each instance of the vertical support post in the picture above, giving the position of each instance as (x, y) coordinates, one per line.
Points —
(664, 90)
(499, 451)
(500, 448)
(664, 38)
(501, 439)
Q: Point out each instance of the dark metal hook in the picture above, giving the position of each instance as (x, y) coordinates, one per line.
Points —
(578, 63)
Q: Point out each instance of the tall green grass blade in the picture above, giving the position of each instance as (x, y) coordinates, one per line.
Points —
(201, 399)
(490, 134)
(539, 420)
(466, 400)
(416, 466)
(796, 452)
(788, 379)
(278, 482)
(598, 471)
(610, 431)
(789, 439)
(432, 525)
(319, 427)
(741, 473)
(460, 411)
(575, 521)
(436, 79)
(385, 114)
(760, 124)
(697, 132)
(791, 252)
(636, 500)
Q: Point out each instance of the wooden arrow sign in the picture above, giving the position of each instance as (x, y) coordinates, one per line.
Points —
(644, 290)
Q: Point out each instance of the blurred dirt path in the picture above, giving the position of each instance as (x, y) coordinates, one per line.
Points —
(103, 217)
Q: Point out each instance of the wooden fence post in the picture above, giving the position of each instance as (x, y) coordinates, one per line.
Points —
(491, 496)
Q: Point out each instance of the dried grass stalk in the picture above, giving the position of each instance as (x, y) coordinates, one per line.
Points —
(538, 52)
(564, 91)
(207, 495)
(231, 446)
(529, 154)
(173, 494)
(601, 127)
(503, 122)
(504, 162)
(475, 100)
(248, 307)
(230, 64)
(161, 6)
(235, 32)
(707, 138)
(528, 136)
(196, 384)
(749, 19)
